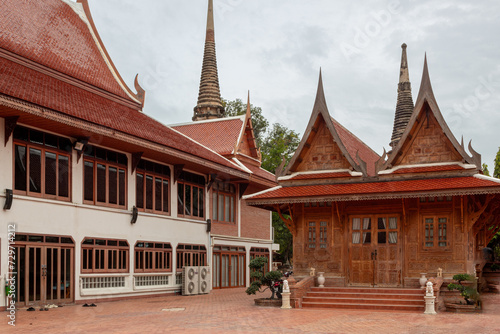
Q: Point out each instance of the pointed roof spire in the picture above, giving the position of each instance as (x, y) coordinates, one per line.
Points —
(404, 105)
(209, 104)
(320, 93)
(425, 85)
(248, 105)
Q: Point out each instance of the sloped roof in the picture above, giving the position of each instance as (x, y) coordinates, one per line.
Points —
(356, 146)
(260, 172)
(29, 85)
(349, 145)
(427, 101)
(477, 184)
(220, 135)
(53, 34)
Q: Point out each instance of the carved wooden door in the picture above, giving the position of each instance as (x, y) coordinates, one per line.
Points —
(361, 269)
(387, 260)
(374, 251)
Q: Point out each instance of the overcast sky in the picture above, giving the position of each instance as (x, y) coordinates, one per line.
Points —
(274, 48)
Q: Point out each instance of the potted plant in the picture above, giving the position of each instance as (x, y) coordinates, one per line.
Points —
(468, 291)
(270, 280)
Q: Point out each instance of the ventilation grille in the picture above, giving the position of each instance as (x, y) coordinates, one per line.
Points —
(151, 280)
(103, 282)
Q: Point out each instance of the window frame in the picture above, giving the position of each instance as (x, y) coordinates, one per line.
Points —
(44, 149)
(191, 252)
(166, 251)
(192, 185)
(119, 167)
(155, 175)
(435, 230)
(106, 250)
(215, 204)
(317, 234)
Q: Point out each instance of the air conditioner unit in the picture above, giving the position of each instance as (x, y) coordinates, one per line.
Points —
(204, 280)
(190, 280)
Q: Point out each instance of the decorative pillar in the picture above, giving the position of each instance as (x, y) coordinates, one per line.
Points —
(429, 299)
(285, 296)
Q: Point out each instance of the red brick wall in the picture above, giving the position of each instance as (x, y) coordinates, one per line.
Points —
(255, 222)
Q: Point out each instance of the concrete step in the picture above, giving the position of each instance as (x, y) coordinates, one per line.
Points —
(366, 295)
(363, 300)
(365, 306)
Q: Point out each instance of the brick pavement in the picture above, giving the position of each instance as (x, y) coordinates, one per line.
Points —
(232, 311)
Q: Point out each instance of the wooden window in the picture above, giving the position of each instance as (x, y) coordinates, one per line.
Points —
(41, 164)
(317, 235)
(153, 187)
(223, 202)
(152, 257)
(361, 230)
(436, 233)
(190, 196)
(105, 256)
(191, 255)
(104, 177)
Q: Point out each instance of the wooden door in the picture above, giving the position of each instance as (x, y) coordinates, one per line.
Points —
(374, 251)
(388, 260)
(361, 270)
(45, 275)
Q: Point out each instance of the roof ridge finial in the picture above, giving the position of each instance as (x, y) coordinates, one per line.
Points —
(320, 93)
(209, 104)
(248, 104)
(425, 84)
(404, 105)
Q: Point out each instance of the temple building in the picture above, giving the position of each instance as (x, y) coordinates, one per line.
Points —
(366, 220)
(101, 201)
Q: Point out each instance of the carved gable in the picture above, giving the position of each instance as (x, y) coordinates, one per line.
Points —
(428, 145)
(323, 153)
(244, 146)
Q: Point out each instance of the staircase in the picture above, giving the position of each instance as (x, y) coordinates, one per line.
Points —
(365, 298)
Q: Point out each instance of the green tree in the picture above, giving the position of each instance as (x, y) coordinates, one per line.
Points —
(496, 172)
(485, 170)
(271, 280)
(283, 237)
(279, 143)
(275, 144)
(259, 122)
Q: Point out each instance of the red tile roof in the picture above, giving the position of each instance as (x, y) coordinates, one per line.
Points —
(50, 33)
(32, 86)
(355, 145)
(315, 176)
(383, 188)
(428, 169)
(258, 171)
(218, 135)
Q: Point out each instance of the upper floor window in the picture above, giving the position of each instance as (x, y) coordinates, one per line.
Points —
(152, 187)
(223, 202)
(104, 255)
(104, 177)
(190, 195)
(41, 164)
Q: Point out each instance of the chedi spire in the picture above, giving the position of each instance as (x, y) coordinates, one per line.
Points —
(209, 104)
(404, 106)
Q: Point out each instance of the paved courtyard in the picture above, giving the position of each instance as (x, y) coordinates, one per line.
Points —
(232, 311)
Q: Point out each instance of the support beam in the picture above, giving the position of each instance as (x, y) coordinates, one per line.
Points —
(10, 125)
(177, 171)
(136, 158)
